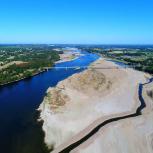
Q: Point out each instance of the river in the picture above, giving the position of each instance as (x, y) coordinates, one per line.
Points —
(19, 130)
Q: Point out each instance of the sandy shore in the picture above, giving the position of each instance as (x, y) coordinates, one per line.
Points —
(133, 135)
(79, 103)
(69, 55)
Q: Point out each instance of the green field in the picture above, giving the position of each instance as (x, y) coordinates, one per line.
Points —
(22, 62)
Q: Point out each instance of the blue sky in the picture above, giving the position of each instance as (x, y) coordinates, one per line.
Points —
(76, 21)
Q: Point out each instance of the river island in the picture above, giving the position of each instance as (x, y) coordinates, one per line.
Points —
(77, 105)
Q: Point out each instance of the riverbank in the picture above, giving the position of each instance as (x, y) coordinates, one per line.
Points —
(134, 135)
(99, 94)
(24, 78)
(69, 55)
(22, 99)
(65, 57)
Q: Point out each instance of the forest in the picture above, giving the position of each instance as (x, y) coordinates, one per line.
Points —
(28, 61)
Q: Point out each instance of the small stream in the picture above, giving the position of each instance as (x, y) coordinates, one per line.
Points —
(97, 128)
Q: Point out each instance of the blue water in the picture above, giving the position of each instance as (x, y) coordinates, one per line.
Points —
(19, 130)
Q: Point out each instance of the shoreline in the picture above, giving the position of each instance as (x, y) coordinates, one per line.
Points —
(69, 57)
(46, 69)
(15, 96)
(80, 144)
(136, 104)
(16, 81)
(130, 129)
(62, 61)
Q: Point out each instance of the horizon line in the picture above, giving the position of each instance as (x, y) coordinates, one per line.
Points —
(73, 44)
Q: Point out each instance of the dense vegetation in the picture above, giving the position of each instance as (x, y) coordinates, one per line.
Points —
(31, 61)
(139, 58)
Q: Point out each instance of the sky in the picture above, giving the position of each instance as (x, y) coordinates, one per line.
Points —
(76, 21)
